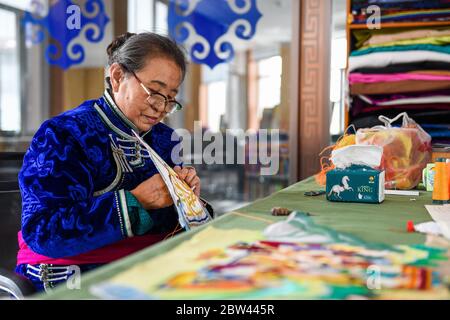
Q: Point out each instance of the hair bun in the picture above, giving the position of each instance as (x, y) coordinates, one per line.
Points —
(118, 42)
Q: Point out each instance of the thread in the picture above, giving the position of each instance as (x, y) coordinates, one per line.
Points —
(441, 182)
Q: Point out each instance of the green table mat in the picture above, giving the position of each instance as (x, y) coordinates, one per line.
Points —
(381, 223)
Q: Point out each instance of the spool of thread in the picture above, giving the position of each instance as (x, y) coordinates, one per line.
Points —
(447, 162)
(428, 176)
(441, 182)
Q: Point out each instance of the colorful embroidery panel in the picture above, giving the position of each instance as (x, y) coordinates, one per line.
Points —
(268, 269)
(291, 259)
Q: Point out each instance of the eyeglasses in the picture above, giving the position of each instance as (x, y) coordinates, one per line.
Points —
(158, 100)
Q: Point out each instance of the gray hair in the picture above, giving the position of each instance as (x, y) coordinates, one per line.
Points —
(132, 50)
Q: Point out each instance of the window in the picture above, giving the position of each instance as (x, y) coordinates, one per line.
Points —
(10, 97)
(216, 104)
(269, 83)
(337, 83)
(140, 15)
(216, 83)
(161, 14)
(24, 77)
(148, 15)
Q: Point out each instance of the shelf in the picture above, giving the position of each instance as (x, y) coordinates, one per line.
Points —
(409, 24)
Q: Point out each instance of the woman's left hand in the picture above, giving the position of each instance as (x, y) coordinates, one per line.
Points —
(189, 175)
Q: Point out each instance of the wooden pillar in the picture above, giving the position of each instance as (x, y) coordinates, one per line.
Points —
(294, 96)
(88, 83)
(120, 9)
(284, 113)
(56, 87)
(192, 110)
(314, 112)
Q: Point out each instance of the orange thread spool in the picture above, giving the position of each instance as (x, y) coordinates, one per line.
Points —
(447, 164)
(441, 182)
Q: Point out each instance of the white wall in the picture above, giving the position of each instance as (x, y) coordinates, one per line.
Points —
(19, 4)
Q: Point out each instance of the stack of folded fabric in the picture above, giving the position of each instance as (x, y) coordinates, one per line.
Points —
(402, 10)
(394, 70)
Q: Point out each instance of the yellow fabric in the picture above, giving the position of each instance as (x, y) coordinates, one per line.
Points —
(440, 41)
(364, 35)
(377, 39)
(182, 258)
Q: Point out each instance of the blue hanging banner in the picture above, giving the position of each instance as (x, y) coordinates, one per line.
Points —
(67, 26)
(208, 27)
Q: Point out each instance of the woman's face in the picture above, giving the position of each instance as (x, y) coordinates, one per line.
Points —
(160, 75)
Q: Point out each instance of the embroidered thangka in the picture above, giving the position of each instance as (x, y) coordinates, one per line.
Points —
(191, 213)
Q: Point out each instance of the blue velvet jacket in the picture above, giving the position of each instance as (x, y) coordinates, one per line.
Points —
(76, 176)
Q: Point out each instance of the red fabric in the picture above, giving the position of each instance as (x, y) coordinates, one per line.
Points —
(102, 255)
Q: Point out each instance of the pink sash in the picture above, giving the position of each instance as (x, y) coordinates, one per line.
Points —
(105, 254)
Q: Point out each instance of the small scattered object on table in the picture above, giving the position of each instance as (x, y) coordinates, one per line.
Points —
(428, 176)
(413, 193)
(410, 226)
(314, 193)
(277, 211)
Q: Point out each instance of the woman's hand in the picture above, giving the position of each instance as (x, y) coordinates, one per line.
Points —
(189, 175)
(153, 193)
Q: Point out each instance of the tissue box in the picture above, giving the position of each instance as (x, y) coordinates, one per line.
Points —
(356, 184)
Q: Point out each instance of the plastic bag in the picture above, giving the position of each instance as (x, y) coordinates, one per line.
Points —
(347, 139)
(406, 150)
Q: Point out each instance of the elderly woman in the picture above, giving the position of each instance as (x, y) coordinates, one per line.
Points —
(91, 194)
